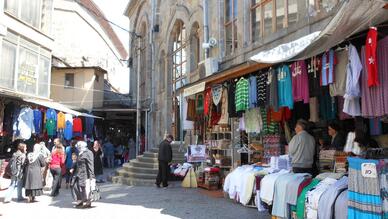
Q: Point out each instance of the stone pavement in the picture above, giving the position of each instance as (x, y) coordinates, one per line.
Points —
(120, 201)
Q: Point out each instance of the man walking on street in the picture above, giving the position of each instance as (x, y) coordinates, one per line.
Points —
(164, 158)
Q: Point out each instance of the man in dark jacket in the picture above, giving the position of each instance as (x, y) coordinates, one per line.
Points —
(164, 158)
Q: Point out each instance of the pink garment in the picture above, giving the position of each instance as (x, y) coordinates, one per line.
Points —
(372, 98)
(57, 160)
(300, 85)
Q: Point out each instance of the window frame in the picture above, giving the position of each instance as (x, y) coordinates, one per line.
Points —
(232, 22)
(66, 79)
(179, 35)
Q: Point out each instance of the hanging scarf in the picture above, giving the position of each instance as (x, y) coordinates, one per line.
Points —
(32, 156)
(217, 93)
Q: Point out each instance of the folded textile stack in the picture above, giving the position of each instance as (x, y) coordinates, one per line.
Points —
(272, 146)
(340, 162)
(326, 160)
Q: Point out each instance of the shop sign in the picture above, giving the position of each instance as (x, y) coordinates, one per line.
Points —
(27, 73)
(194, 89)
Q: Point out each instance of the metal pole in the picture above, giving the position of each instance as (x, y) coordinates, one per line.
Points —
(206, 26)
(138, 109)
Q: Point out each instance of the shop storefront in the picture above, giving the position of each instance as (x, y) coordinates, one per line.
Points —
(240, 130)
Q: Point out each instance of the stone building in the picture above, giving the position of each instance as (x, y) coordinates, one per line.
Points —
(167, 42)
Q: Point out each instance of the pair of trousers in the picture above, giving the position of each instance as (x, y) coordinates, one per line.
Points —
(18, 184)
(57, 179)
(67, 175)
(163, 173)
(110, 159)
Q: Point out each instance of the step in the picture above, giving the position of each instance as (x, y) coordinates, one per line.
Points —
(147, 159)
(141, 170)
(174, 150)
(150, 154)
(144, 165)
(127, 174)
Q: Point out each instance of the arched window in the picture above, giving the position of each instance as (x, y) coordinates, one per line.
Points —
(194, 47)
(179, 56)
(162, 70)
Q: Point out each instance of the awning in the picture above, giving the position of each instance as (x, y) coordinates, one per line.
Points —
(59, 107)
(352, 17)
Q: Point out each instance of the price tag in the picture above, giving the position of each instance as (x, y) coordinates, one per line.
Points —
(368, 170)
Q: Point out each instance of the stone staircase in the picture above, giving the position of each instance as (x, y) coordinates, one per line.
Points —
(143, 170)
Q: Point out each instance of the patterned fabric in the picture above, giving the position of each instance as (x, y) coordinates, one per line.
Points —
(364, 192)
(242, 89)
(224, 108)
(252, 92)
(262, 88)
(253, 121)
(272, 146)
(207, 101)
(217, 93)
(231, 99)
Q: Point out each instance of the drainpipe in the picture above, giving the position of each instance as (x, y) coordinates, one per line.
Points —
(206, 26)
(138, 109)
(151, 123)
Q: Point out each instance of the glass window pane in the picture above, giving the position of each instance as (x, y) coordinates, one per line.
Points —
(327, 5)
(268, 18)
(256, 22)
(11, 6)
(44, 71)
(297, 10)
(229, 39)
(235, 12)
(8, 61)
(27, 75)
(279, 14)
(46, 16)
(30, 12)
(228, 10)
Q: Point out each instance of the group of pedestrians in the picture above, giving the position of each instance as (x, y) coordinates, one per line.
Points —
(76, 162)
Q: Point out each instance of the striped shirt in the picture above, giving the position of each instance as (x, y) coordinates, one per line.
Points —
(242, 91)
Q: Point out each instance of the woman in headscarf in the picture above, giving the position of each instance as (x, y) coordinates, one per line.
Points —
(83, 171)
(33, 175)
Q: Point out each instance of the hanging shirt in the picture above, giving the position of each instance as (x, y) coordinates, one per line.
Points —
(51, 114)
(285, 87)
(199, 104)
(371, 57)
(272, 90)
(26, 123)
(300, 88)
(68, 132)
(262, 79)
(327, 105)
(60, 120)
(314, 69)
(253, 121)
(51, 127)
(242, 89)
(38, 121)
(252, 91)
(338, 88)
(352, 95)
(89, 125)
(77, 125)
(329, 61)
(231, 100)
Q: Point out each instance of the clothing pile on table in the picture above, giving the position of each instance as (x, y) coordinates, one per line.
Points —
(326, 160)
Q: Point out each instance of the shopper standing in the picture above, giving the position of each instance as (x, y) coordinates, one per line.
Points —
(302, 149)
(109, 152)
(83, 175)
(97, 154)
(70, 150)
(164, 158)
(18, 159)
(56, 164)
(33, 175)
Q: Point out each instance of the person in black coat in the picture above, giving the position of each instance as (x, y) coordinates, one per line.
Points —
(83, 174)
(338, 141)
(164, 158)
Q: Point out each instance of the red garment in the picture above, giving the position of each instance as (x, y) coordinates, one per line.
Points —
(305, 183)
(208, 101)
(371, 57)
(284, 114)
(77, 125)
(57, 160)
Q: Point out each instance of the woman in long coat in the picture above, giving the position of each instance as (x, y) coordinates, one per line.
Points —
(83, 174)
(33, 182)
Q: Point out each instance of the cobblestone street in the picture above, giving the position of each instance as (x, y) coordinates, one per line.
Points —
(120, 201)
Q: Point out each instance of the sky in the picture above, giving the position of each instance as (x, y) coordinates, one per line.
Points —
(114, 11)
